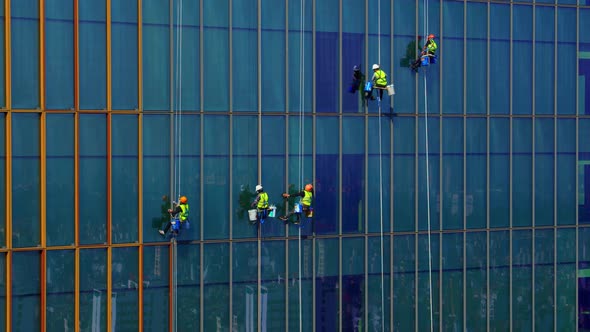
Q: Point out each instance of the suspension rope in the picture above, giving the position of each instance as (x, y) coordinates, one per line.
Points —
(178, 103)
(301, 140)
(380, 172)
(427, 173)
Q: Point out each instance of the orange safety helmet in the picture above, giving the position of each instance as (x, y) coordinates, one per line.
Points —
(431, 36)
(183, 200)
(308, 187)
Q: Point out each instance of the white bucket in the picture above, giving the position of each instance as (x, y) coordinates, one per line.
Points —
(390, 90)
(252, 214)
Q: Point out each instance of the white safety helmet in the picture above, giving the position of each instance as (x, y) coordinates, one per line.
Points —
(259, 187)
(375, 66)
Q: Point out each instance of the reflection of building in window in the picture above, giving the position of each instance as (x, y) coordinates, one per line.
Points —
(584, 191)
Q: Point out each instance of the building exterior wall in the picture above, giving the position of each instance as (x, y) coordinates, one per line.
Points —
(472, 181)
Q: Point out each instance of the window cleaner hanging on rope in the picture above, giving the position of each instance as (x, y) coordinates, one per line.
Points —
(179, 216)
(428, 54)
(378, 81)
(358, 79)
(261, 204)
(304, 206)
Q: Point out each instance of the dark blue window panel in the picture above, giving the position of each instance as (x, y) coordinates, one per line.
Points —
(124, 135)
(545, 275)
(426, 281)
(375, 280)
(124, 274)
(59, 54)
(353, 47)
(566, 278)
(60, 179)
(273, 42)
(216, 285)
(476, 58)
(431, 181)
(353, 175)
(433, 11)
(378, 175)
(452, 281)
(245, 70)
(499, 280)
(452, 54)
(584, 171)
(60, 278)
(499, 187)
(566, 171)
(273, 168)
(158, 292)
(305, 301)
(353, 281)
(245, 285)
(273, 261)
(406, 49)
(522, 167)
(26, 182)
(93, 287)
(26, 291)
(216, 172)
(353, 16)
(300, 71)
(404, 272)
(327, 287)
(326, 71)
(584, 64)
(522, 69)
(567, 58)
(186, 82)
(157, 174)
(327, 176)
(25, 54)
(188, 301)
(156, 55)
(328, 21)
(452, 195)
(300, 167)
(404, 174)
(522, 290)
(476, 263)
(544, 171)
(92, 53)
(544, 60)
(124, 55)
(2, 183)
(476, 173)
(499, 59)
(93, 178)
(216, 56)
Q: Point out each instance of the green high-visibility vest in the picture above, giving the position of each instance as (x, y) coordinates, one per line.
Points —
(184, 212)
(380, 78)
(263, 201)
(306, 200)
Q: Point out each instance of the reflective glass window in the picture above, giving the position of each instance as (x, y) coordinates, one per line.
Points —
(124, 54)
(452, 47)
(273, 42)
(245, 174)
(544, 47)
(566, 279)
(476, 299)
(499, 58)
(216, 55)
(187, 82)
(327, 177)
(24, 34)
(404, 174)
(273, 171)
(245, 60)
(544, 277)
(476, 195)
(59, 54)
(245, 296)
(429, 182)
(522, 68)
(583, 171)
(404, 274)
(92, 54)
(188, 171)
(522, 280)
(522, 177)
(301, 301)
(566, 171)
(499, 298)
(452, 281)
(567, 57)
(188, 300)
(124, 299)
(452, 195)
(583, 61)
(378, 175)
(544, 171)
(59, 280)
(300, 169)
(406, 46)
(476, 58)
(272, 288)
(353, 281)
(156, 287)
(2, 179)
(156, 55)
(428, 256)
(93, 288)
(326, 285)
(499, 187)
(216, 285)
(26, 291)
(300, 47)
(3, 300)
(353, 175)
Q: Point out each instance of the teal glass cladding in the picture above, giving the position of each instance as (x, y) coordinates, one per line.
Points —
(459, 202)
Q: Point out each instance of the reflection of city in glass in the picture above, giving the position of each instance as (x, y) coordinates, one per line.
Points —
(471, 218)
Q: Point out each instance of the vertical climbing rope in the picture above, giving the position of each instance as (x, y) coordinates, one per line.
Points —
(301, 139)
(380, 173)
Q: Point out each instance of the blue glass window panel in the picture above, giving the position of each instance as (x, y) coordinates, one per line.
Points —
(544, 60)
(245, 285)
(406, 49)
(544, 171)
(327, 178)
(378, 284)
(60, 290)
(567, 56)
(273, 295)
(273, 42)
(216, 285)
(428, 182)
(476, 173)
(499, 58)
(60, 178)
(404, 272)
(245, 171)
(188, 279)
(59, 54)
(216, 177)
(157, 174)
(569, 2)
(584, 64)
(188, 168)
(2, 60)
(93, 288)
(499, 187)
(187, 83)
(522, 69)
(566, 279)
(430, 103)
(3, 300)
(353, 281)
(301, 301)
(124, 54)
(378, 176)
(2, 183)
(434, 16)
(156, 295)
(273, 168)
(404, 174)
(566, 172)
(124, 183)
(93, 178)
(353, 46)
(476, 58)
(522, 167)
(353, 18)
(499, 279)
(92, 54)
(452, 282)
(216, 55)
(125, 280)
(156, 55)
(583, 171)
(26, 181)
(453, 51)
(544, 277)
(476, 264)
(353, 174)
(405, 18)
(245, 70)
(25, 54)
(329, 21)
(26, 291)
(453, 198)
(326, 71)
(300, 66)
(428, 250)
(522, 291)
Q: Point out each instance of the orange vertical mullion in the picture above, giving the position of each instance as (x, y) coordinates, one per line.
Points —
(42, 54)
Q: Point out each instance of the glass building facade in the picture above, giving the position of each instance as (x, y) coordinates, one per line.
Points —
(462, 204)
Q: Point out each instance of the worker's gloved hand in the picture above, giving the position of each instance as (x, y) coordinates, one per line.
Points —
(285, 195)
(170, 210)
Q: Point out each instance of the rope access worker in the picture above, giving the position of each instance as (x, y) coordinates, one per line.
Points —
(179, 212)
(261, 204)
(429, 51)
(306, 199)
(358, 79)
(379, 80)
